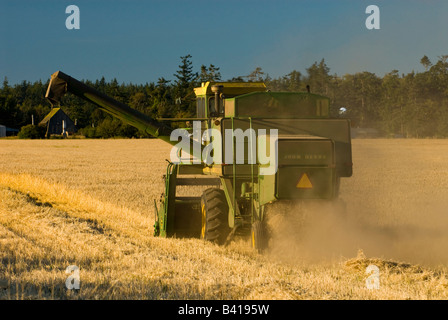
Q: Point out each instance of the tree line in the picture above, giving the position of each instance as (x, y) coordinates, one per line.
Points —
(413, 105)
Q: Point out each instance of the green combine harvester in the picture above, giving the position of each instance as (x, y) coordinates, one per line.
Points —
(309, 152)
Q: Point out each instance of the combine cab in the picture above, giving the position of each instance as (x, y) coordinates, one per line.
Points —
(274, 147)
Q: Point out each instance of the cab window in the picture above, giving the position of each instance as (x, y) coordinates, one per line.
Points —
(200, 107)
(211, 108)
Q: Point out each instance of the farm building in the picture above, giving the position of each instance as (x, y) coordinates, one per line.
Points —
(54, 120)
(6, 132)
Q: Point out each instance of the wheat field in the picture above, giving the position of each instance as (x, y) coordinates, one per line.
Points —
(90, 203)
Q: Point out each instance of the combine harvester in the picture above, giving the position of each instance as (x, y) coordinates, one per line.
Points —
(308, 153)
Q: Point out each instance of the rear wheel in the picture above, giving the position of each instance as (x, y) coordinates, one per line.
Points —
(259, 236)
(214, 210)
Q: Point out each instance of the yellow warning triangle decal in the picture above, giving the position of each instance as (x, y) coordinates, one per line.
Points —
(304, 182)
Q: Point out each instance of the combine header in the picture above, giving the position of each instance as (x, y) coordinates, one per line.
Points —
(273, 147)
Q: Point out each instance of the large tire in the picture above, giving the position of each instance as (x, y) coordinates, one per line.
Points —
(214, 209)
(259, 236)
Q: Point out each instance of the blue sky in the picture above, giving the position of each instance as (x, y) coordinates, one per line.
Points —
(140, 41)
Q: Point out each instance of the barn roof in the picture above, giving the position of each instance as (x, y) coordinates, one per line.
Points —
(50, 115)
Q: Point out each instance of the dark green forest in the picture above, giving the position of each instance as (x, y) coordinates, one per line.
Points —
(413, 105)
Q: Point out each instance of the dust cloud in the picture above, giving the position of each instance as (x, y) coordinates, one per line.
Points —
(396, 207)
(323, 231)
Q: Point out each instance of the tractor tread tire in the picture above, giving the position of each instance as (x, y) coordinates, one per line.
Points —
(214, 210)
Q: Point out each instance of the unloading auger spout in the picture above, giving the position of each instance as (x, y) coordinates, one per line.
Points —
(62, 83)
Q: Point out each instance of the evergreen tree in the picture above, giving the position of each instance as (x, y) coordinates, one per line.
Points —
(256, 75)
(425, 62)
(186, 81)
(209, 74)
(318, 77)
(185, 76)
